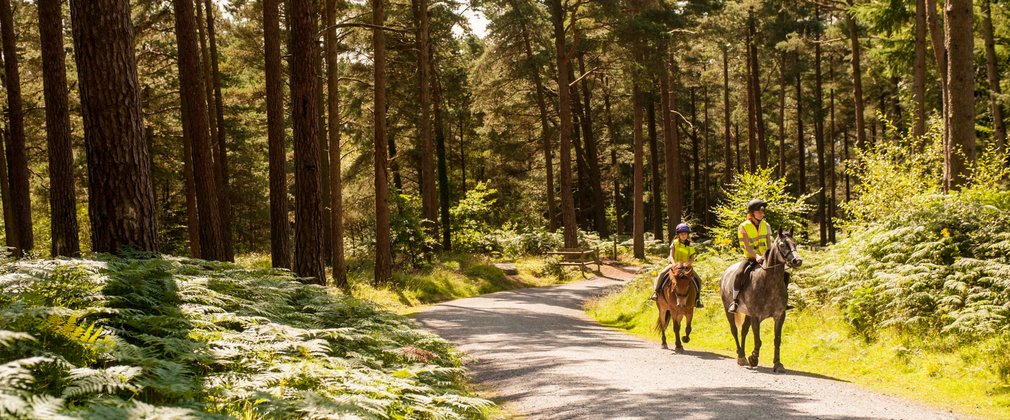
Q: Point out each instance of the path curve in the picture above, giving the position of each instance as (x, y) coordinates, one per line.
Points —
(543, 358)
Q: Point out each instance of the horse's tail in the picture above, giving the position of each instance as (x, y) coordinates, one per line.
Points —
(661, 323)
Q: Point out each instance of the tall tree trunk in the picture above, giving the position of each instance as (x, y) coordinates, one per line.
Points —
(706, 184)
(192, 216)
(783, 85)
(280, 239)
(845, 145)
(695, 157)
(654, 168)
(10, 233)
(831, 162)
(221, 158)
(443, 170)
(919, 71)
(592, 154)
(196, 127)
(302, 52)
(583, 200)
(614, 165)
(759, 119)
(638, 234)
(17, 158)
(394, 161)
(857, 78)
(120, 192)
(429, 195)
(728, 155)
(565, 128)
(961, 88)
(383, 247)
(751, 106)
(940, 52)
(323, 142)
(62, 198)
(819, 140)
(671, 136)
(992, 73)
(801, 149)
(201, 30)
(736, 140)
(333, 121)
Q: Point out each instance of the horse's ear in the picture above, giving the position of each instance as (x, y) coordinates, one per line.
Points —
(790, 232)
(780, 231)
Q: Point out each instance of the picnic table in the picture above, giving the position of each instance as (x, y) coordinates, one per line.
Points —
(578, 256)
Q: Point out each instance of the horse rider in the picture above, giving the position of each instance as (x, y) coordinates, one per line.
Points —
(754, 240)
(681, 251)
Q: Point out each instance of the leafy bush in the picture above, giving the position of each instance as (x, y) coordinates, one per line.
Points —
(784, 210)
(470, 220)
(410, 242)
(182, 338)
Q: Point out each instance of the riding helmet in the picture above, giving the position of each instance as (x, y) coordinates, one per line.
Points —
(755, 205)
(683, 228)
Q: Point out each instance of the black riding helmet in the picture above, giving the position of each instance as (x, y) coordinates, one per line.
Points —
(755, 205)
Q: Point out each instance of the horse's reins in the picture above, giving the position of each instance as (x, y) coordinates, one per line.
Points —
(787, 257)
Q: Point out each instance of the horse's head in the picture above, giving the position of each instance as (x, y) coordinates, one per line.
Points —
(682, 275)
(786, 247)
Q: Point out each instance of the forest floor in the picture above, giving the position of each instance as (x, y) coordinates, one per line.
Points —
(540, 356)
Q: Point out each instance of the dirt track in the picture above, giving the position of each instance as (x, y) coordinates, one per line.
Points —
(543, 357)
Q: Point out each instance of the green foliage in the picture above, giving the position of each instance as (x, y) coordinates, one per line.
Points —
(470, 219)
(784, 210)
(410, 241)
(181, 338)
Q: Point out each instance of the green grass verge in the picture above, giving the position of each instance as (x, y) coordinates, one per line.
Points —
(818, 340)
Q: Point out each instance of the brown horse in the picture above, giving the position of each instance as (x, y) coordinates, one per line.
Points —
(764, 296)
(676, 301)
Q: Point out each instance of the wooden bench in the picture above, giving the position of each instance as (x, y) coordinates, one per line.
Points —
(579, 257)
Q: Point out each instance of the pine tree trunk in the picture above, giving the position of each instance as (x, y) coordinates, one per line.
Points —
(992, 73)
(565, 128)
(751, 108)
(443, 170)
(429, 195)
(333, 121)
(936, 37)
(695, 157)
(195, 123)
(833, 189)
(120, 192)
(302, 65)
(614, 165)
(961, 87)
(759, 119)
(819, 141)
(671, 136)
(17, 158)
(857, 79)
(280, 235)
(221, 159)
(62, 198)
(192, 216)
(783, 85)
(728, 155)
(654, 168)
(706, 184)
(10, 234)
(592, 155)
(383, 247)
(919, 71)
(324, 148)
(801, 148)
(638, 234)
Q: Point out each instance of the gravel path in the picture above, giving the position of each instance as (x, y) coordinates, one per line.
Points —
(542, 357)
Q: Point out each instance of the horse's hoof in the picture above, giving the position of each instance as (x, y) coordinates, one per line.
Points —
(753, 361)
(680, 349)
(686, 339)
(779, 368)
(741, 361)
(665, 347)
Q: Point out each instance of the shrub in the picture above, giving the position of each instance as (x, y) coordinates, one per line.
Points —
(784, 210)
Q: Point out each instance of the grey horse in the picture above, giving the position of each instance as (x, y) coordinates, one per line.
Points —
(764, 296)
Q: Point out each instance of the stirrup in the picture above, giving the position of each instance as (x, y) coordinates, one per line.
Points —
(698, 304)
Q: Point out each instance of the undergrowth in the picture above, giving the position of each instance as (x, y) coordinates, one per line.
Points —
(172, 337)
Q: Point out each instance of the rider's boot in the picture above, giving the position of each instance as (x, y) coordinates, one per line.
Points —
(697, 297)
(736, 301)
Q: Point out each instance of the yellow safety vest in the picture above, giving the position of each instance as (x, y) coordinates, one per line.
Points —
(757, 236)
(681, 252)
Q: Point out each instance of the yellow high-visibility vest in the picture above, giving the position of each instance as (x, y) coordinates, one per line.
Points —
(756, 236)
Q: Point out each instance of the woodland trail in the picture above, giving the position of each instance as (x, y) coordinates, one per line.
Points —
(540, 356)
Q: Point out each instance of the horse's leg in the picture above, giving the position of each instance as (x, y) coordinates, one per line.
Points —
(756, 326)
(779, 320)
(736, 337)
(663, 316)
(688, 315)
(676, 333)
(740, 358)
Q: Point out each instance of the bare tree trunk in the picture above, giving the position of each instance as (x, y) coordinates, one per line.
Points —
(592, 154)
(17, 158)
(706, 184)
(323, 141)
(280, 239)
(333, 121)
(728, 156)
(801, 150)
(695, 157)
(62, 198)
(961, 87)
(940, 52)
(783, 85)
(919, 71)
(759, 120)
(221, 158)
(443, 170)
(302, 65)
(615, 166)
(120, 192)
(992, 73)
(565, 128)
(192, 216)
(10, 233)
(819, 140)
(831, 161)
(638, 234)
(751, 106)
(383, 247)
(674, 198)
(429, 194)
(654, 169)
(196, 127)
(857, 79)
